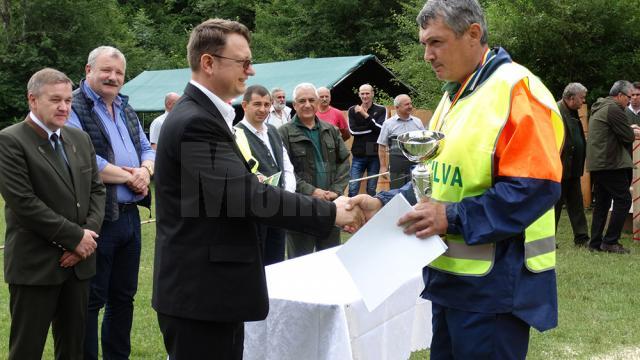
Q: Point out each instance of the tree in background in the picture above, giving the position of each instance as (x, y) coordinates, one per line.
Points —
(591, 42)
(53, 33)
(408, 63)
(61, 33)
(292, 29)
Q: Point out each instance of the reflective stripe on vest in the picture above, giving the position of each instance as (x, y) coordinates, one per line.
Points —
(540, 243)
(245, 149)
(461, 259)
(472, 127)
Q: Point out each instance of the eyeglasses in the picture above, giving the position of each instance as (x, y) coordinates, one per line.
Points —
(627, 95)
(245, 63)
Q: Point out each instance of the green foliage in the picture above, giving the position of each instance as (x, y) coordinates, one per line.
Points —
(409, 64)
(562, 41)
(592, 42)
(289, 29)
(53, 33)
(61, 33)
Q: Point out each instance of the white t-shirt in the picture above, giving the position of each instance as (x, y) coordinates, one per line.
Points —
(154, 128)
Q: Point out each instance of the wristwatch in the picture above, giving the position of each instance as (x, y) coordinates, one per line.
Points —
(149, 169)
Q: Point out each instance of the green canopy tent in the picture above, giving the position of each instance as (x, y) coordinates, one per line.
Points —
(343, 75)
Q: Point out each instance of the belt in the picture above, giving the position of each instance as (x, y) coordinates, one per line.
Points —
(127, 207)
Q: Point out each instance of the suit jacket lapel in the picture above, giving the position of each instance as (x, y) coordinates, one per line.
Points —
(203, 100)
(46, 150)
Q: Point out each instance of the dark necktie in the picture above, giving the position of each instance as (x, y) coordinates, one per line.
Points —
(60, 155)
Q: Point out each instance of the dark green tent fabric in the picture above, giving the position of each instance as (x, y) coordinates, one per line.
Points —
(343, 75)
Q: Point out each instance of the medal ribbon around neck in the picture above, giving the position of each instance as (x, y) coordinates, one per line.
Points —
(465, 84)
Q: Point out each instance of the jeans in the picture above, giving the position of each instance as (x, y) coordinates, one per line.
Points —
(358, 165)
(114, 286)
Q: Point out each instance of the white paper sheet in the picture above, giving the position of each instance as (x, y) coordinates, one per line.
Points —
(380, 258)
(274, 179)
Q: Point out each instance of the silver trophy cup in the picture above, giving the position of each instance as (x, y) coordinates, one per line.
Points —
(419, 146)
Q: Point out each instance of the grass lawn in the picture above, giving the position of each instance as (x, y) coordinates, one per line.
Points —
(598, 298)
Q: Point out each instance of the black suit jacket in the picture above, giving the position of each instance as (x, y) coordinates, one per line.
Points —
(46, 209)
(572, 159)
(208, 262)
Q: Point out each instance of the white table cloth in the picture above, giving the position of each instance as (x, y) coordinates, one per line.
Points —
(316, 313)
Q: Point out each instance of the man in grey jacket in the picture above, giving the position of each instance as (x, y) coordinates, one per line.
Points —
(609, 161)
(320, 162)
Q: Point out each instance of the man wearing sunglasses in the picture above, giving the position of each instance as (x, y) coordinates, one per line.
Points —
(610, 163)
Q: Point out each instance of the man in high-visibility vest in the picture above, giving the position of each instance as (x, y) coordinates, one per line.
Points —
(495, 183)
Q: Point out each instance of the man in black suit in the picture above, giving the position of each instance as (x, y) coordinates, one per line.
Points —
(208, 272)
(573, 156)
(54, 208)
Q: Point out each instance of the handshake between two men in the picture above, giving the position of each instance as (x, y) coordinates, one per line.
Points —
(427, 217)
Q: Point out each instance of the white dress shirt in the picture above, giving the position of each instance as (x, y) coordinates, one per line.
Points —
(227, 111)
(46, 129)
(274, 119)
(287, 171)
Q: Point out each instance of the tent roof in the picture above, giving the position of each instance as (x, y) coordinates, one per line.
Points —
(146, 91)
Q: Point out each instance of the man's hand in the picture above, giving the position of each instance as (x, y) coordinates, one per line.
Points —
(427, 218)
(359, 109)
(69, 259)
(350, 220)
(139, 181)
(636, 131)
(261, 177)
(87, 244)
(330, 195)
(368, 204)
(319, 194)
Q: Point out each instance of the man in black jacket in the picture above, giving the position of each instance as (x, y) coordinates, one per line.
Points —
(365, 122)
(208, 271)
(573, 154)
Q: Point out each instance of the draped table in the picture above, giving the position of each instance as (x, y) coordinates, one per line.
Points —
(317, 313)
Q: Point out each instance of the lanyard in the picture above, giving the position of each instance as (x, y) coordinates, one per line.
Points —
(463, 87)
